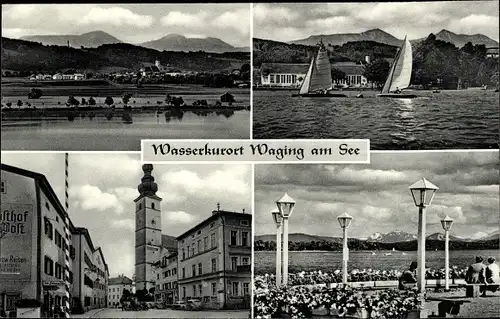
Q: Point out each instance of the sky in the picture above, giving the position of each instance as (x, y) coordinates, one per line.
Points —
(133, 23)
(294, 21)
(377, 195)
(103, 188)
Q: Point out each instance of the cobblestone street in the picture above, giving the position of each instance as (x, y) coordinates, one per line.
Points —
(162, 313)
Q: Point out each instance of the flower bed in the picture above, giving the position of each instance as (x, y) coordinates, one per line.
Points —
(318, 277)
(303, 302)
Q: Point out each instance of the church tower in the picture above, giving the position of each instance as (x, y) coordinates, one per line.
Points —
(147, 230)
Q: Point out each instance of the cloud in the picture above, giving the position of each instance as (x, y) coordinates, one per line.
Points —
(238, 20)
(92, 198)
(178, 217)
(127, 224)
(188, 20)
(116, 16)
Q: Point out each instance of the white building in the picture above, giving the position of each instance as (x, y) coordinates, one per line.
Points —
(116, 286)
(283, 74)
(57, 76)
(354, 74)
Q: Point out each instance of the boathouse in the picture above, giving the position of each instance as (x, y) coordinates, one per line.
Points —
(354, 74)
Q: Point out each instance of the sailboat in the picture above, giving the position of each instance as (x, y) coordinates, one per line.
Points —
(400, 74)
(318, 80)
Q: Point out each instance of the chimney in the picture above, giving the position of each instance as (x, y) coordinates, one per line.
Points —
(367, 59)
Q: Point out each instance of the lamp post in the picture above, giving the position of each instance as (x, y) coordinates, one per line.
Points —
(278, 221)
(285, 207)
(422, 192)
(344, 221)
(446, 223)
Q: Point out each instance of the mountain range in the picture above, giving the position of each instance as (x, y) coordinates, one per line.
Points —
(170, 42)
(378, 35)
(391, 237)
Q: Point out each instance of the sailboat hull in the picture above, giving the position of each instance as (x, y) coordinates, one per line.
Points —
(319, 95)
(397, 95)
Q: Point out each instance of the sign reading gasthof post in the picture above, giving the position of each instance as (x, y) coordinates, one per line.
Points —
(16, 241)
(257, 151)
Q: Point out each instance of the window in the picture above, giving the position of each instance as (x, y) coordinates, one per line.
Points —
(235, 288)
(183, 254)
(140, 205)
(193, 270)
(200, 287)
(194, 290)
(47, 205)
(48, 228)
(212, 225)
(153, 205)
(174, 271)
(234, 263)
(183, 292)
(58, 271)
(245, 288)
(198, 232)
(214, 289)
(199, 246)
(49, 266)
(245, 260)
(244, 222)
(200, 269)
(4, 187)
(244, 238)
(212, 239)
(183, 272)
(192, 250)
(205, 243)
(214, 265)
(58, 239)
(234, 235)
(72, 252)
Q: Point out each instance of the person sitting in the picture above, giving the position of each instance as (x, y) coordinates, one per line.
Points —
(492, 272)
(397, 90)
(409, 276)
(475, 272)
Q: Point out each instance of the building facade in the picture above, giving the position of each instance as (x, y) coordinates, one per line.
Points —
(166, 277)
(116, 286)
(290, 75)
(353, 75)
(214, 261)
(32, 243)
(148, 237)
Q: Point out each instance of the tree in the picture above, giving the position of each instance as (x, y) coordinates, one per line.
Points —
(9, 104)
(377, 71)
(338, 75)
(19, 103)
(84, 102)
(126, 98)
(72, 101)
(35, 93)
(109, 101)
(92, 101)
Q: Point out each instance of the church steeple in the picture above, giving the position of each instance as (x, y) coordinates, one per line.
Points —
(147, 187)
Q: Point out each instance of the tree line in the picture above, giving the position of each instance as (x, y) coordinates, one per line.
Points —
(356, 244)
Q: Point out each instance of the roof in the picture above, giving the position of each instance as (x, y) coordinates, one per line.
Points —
(44, 185)
(120, 280)
(349, 68)
(169, 242)
(215, 215)
(285, 68)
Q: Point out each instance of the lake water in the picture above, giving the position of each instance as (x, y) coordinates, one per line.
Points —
(265, 261)
(99, 134)
(466, 119)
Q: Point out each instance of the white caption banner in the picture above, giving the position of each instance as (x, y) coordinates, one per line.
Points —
(257, 151)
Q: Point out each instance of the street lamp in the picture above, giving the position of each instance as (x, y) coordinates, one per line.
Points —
(278, 221)
(285, 207)
(344, 221)
(422, 192)
(446, 223)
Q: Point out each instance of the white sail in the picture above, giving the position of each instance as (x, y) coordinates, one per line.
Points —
(400, 73)
(304, 89)
(321, 78)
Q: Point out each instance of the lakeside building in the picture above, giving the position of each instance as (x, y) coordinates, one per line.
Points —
(33, 244)
(354, 74)
(283, 74)
(116, 286)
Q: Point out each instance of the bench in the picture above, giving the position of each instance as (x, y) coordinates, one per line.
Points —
(447, 305)
(473, 290)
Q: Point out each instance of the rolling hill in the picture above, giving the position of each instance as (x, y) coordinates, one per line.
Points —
(89, 40)
(177, 42)
(377, 35)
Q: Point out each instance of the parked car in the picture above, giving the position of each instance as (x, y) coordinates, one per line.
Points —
(179, 305)
(193, 304)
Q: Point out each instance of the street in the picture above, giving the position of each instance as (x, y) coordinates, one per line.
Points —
(163, 313)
